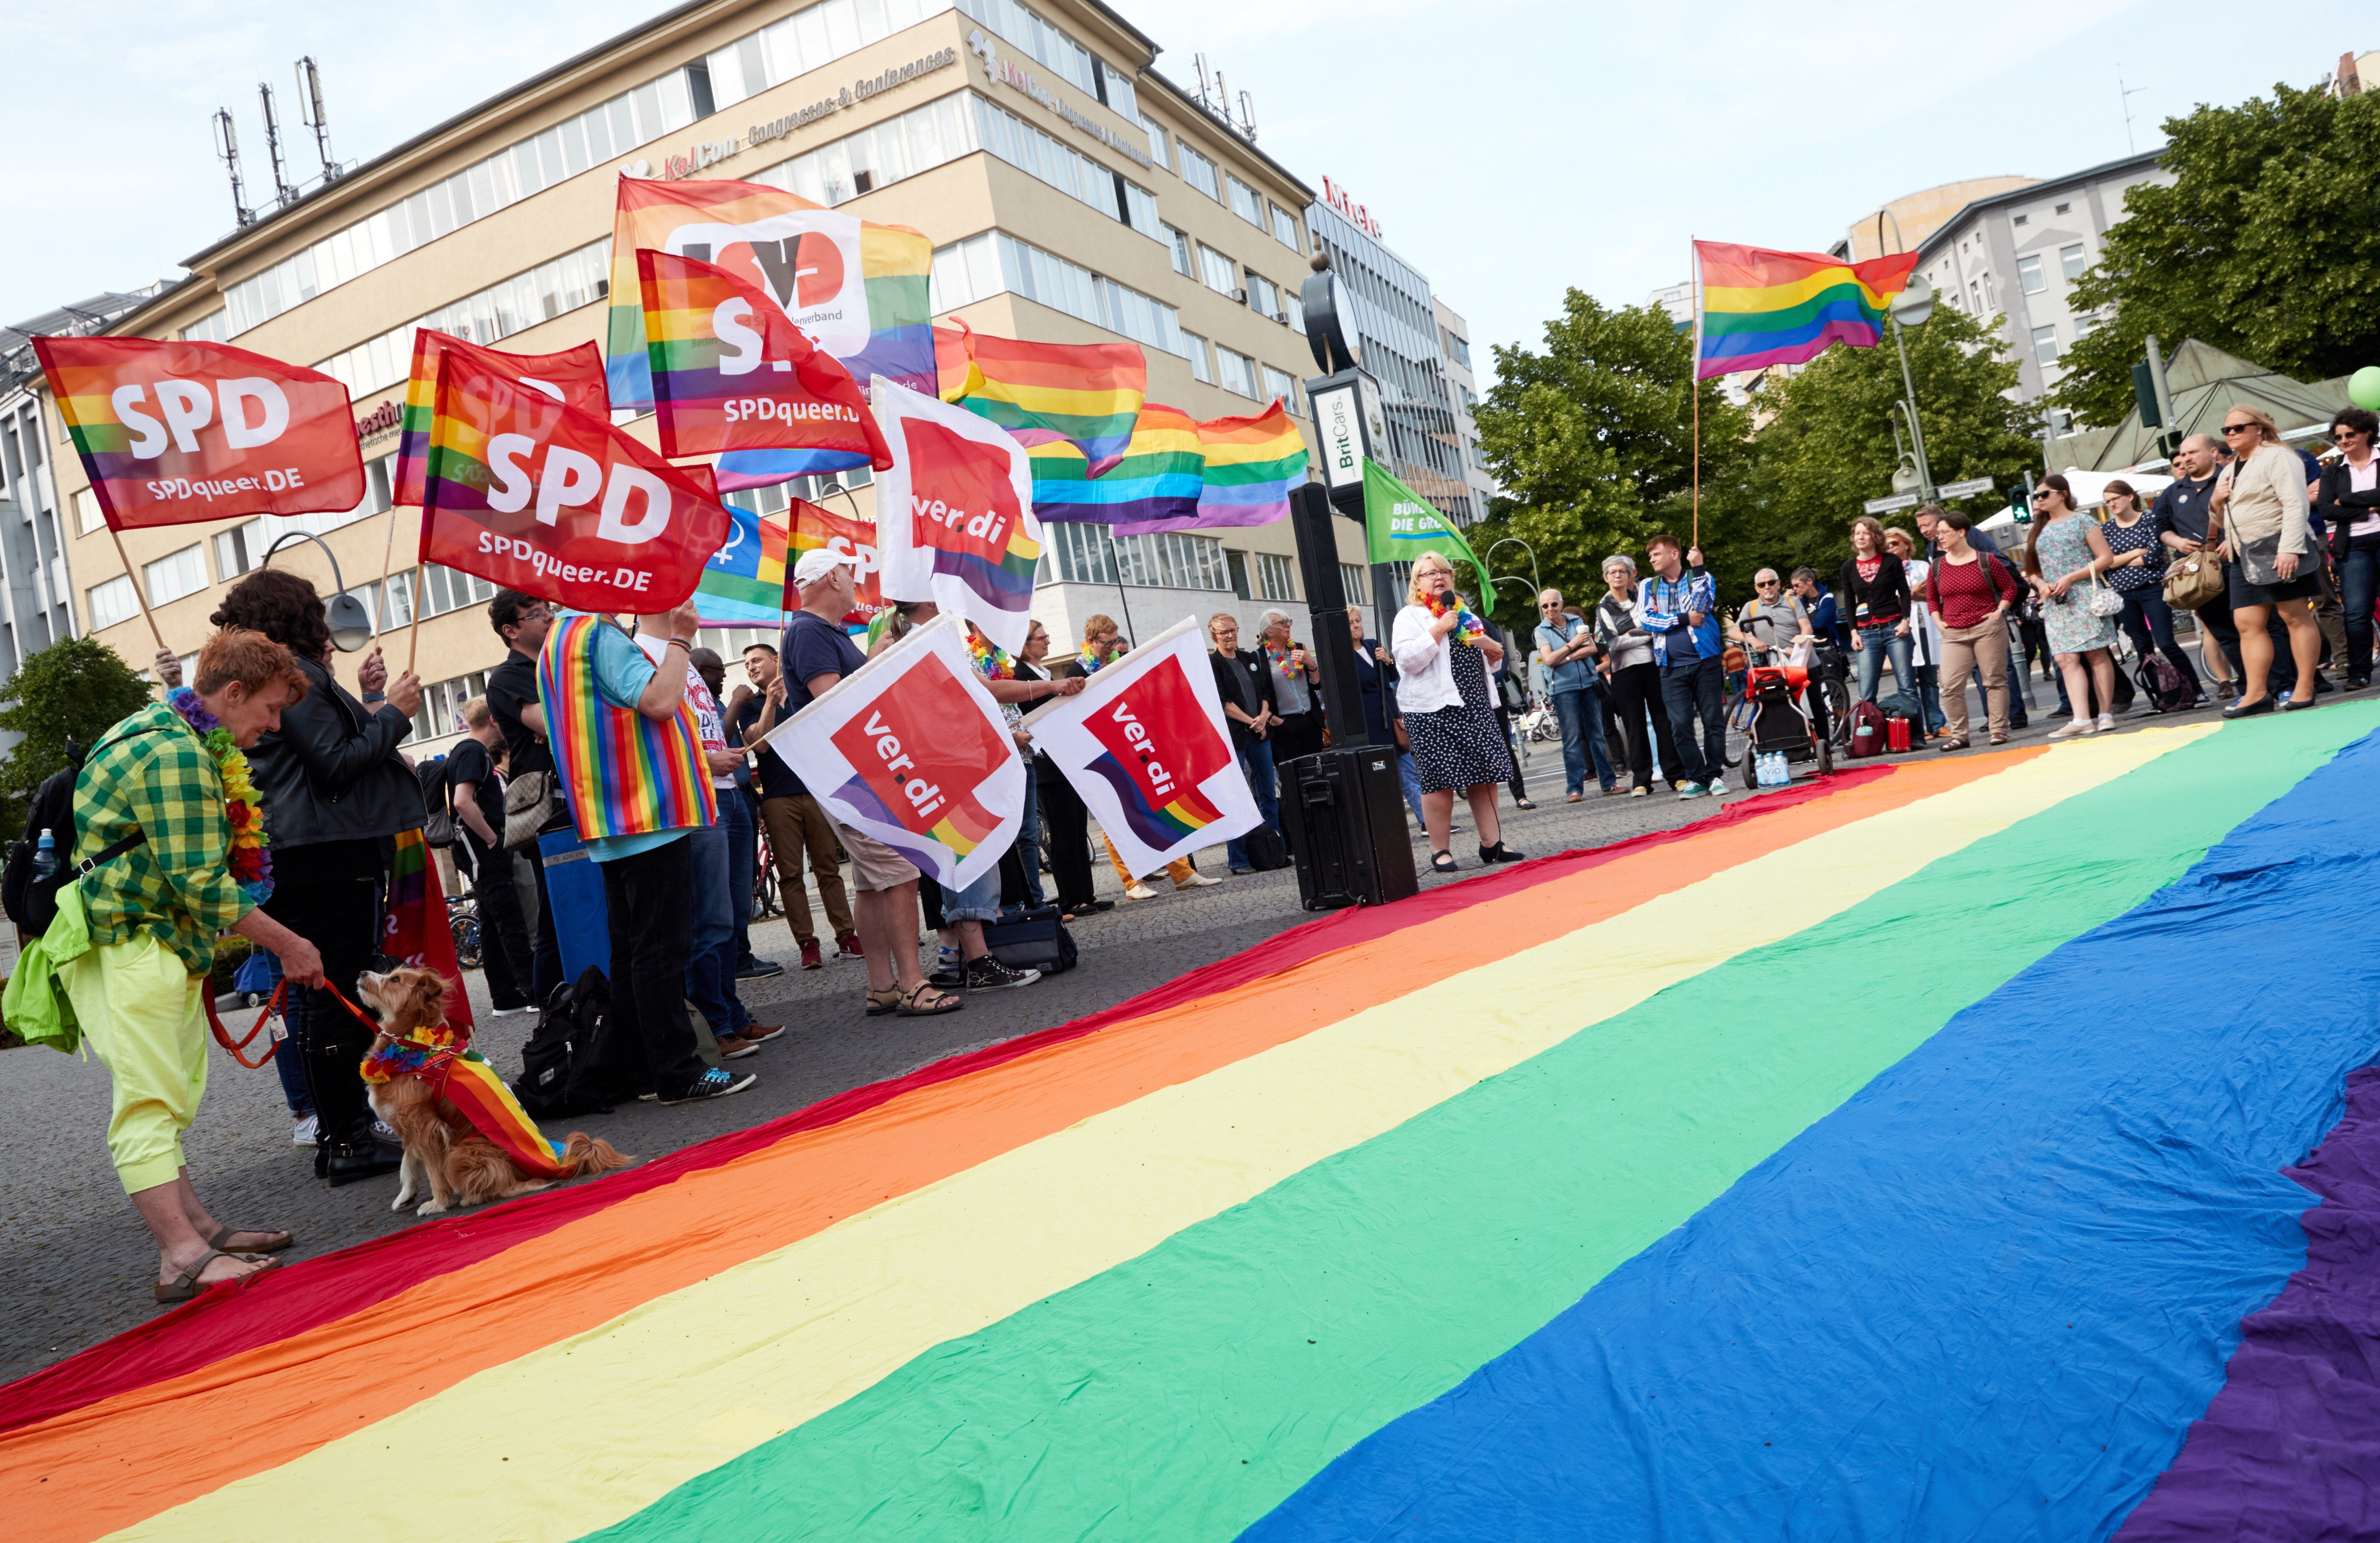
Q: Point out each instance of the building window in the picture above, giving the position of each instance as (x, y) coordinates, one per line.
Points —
(1245, 202)
(1351, 579)
(1219, 272)
(1975, 297)
(1172, 561)
(207, 328)
(1115, 90)
(113, 602)
(443, 590)
(238, 550)
(1457, 348)
(2044, 345)
(1029, 150)
(1277, 383)
(1199, 172)
(2069, 259)
(1200, 370)
(1155, 141)
(1274, 576)
(2020, 219)
(88, 516)
(442, 705)
(2064, 207)
(2028, 274)
(570, 281)
(1264, 296)
(996, 262)
(1139, 207)
(1023, 26)
(1181, 245)
(1284, 229)
(171, 577)
(1237, 371)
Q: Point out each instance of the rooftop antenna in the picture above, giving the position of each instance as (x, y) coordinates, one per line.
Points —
(281, 188)
(1199, 61)
(2125, 96)
(1247, 118)
(228, 151)
(309, 112)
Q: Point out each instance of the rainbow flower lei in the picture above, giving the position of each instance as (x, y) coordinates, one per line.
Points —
(1279, 657)
(251, 864)
(990, 661)
(1468, 629)
(1091, 659)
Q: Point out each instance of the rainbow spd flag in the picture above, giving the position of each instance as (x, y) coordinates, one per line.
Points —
(1759, 307)
(572, 374)
(1578, 1198)
(1088, 394)
(857, 289)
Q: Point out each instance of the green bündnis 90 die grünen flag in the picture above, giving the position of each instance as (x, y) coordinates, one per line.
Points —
(1399, 524)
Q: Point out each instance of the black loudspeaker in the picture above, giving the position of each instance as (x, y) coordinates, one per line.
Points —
(1345, 816)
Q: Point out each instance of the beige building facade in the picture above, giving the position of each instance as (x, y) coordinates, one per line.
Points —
(1072, 194)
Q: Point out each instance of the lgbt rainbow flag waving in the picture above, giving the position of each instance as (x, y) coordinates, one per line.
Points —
(1177, 474)
(1088, 394)
(1760, 307)
(744, 583)
(2019, 1178)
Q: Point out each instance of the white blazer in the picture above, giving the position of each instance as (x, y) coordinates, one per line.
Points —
(1426, 666)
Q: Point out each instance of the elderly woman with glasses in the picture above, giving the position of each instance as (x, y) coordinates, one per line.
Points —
(1443, 663)
(1633, 678)
(2270, 557)
(1566, 651)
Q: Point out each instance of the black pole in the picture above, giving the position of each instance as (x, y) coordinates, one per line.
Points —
(1341, 698)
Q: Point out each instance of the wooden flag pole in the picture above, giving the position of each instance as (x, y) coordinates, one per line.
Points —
(140, 594)
(413, 644)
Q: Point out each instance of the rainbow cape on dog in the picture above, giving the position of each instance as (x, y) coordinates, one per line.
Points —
(464, 1075)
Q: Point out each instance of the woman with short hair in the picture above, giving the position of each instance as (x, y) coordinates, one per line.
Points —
(1633, 680)
(1444, 658)
(1874, 589)
(1296, 674)
(2271, 563)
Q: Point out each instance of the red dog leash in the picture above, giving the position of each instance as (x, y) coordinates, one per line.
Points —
(274, 1005)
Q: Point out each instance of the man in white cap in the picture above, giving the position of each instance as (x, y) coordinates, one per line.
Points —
(816, 654)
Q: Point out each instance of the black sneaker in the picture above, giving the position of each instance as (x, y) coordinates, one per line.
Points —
(757, 968)
(714, 1083)
(986, 973)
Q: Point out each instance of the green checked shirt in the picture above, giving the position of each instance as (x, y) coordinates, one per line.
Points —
(151, 772)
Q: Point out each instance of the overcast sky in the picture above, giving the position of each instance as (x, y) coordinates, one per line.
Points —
(1508, 148)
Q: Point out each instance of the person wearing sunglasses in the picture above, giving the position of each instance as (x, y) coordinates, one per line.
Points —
(1772, 620)
(2272, 564)
(2349, 502)
(1566, 650)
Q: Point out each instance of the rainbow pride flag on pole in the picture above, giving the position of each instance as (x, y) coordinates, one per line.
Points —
(1088, 394)
(1580, 1199)
(1252, 463)
(1757, 307)
(1177, 474)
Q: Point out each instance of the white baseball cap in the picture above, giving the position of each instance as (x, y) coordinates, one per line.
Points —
(816, 564)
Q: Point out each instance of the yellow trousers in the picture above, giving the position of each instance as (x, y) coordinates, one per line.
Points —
(1179, 869)
(141, 1016)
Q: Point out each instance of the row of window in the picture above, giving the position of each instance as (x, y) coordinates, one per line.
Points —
(1037, 36)
(1069, 171)
(1176, 560)
(1219, 272)
(2030, 277)
(570, 281)
(996, 262)
(807, 40)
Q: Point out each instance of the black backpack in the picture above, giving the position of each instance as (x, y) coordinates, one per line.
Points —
(1264, 848)
(32, 903)
(563, 1066)
(438, 830)
(2164, 685)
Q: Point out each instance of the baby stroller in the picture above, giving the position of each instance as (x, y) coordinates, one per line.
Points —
(1782, 713)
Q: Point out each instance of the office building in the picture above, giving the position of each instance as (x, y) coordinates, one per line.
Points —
(1454, 345)
(1073, 194)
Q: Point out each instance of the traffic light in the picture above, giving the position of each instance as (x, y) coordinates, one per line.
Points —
(2021, 504)
(2144, 395)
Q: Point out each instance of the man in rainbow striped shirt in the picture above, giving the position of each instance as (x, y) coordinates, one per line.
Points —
(630, 757)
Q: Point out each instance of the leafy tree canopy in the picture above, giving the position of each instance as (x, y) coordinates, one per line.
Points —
(2266, 244)
(74, 690)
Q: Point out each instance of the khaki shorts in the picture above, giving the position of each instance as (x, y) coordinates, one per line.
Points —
(874, 865)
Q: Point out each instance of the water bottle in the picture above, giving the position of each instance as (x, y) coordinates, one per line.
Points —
(1777, 775)
(45, 855)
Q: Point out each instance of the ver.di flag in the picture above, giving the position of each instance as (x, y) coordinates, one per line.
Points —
(731, 373)
(954, 514)
(1145, 745)
(172, 433)
(537, 496)
(912, 750)
(1399, 524)
(573, 375)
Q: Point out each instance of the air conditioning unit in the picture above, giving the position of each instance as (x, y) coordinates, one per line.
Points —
(1241, 295)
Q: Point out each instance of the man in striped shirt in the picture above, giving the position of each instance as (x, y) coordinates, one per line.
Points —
(1679, 605)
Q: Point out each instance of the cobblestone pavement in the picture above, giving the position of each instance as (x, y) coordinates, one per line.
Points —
(78, 1264)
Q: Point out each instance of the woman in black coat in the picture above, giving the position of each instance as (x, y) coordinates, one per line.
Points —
(335, 789)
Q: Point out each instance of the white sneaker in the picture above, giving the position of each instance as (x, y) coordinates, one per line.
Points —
(2106, 722)
(512, 1012)
(1198, 881)
(303, 1134)
(1140, 891)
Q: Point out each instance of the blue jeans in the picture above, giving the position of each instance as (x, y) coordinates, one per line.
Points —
(710, 966)
(1929, 696)
(1691, 689)
(1028, 834)
(742, 826)
(977, 902)
(2358, 583)
(1256, 764)
(1409, 779)
(1582, 731)
(1876, 644)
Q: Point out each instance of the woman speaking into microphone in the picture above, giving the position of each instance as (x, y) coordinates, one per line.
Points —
(1443, 657)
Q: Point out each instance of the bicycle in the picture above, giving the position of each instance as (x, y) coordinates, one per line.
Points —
(764, 880)
(463, 922)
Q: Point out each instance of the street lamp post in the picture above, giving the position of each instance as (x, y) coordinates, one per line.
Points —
(1516, 541)
(1909, 308)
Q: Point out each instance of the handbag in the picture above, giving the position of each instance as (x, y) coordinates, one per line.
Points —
(2258, 561)
(2193, 578)
(2104, 600)
(528, 807)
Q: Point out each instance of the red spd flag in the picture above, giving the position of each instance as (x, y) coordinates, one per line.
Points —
(730, 372)
(1146, 747)
(537, 496)
(574, 376)
(175, 432)
(913, 751)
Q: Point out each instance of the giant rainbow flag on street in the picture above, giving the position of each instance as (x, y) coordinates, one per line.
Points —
(1979, 1146)
(1760, 307)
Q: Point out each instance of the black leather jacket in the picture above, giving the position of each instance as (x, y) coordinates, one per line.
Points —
(331, 771)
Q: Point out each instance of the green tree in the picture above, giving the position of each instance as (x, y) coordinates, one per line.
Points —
(1593, 439)
(2265, 244)
(75, 690)
(1831, 446)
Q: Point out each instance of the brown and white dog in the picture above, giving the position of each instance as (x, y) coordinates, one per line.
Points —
(442, 1148)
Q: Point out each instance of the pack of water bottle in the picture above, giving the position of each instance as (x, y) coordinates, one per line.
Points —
(1771, 770)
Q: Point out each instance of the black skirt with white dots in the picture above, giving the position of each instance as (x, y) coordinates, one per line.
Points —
(1460, 747)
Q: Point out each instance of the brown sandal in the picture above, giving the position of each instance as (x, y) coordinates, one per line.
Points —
(187, 1285)
(883, 1002)
(925, 1001)
(221, 1240)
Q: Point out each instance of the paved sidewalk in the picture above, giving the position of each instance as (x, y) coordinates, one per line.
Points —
(78, 1264)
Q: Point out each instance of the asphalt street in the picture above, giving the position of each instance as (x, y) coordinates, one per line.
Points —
(79, 1265)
